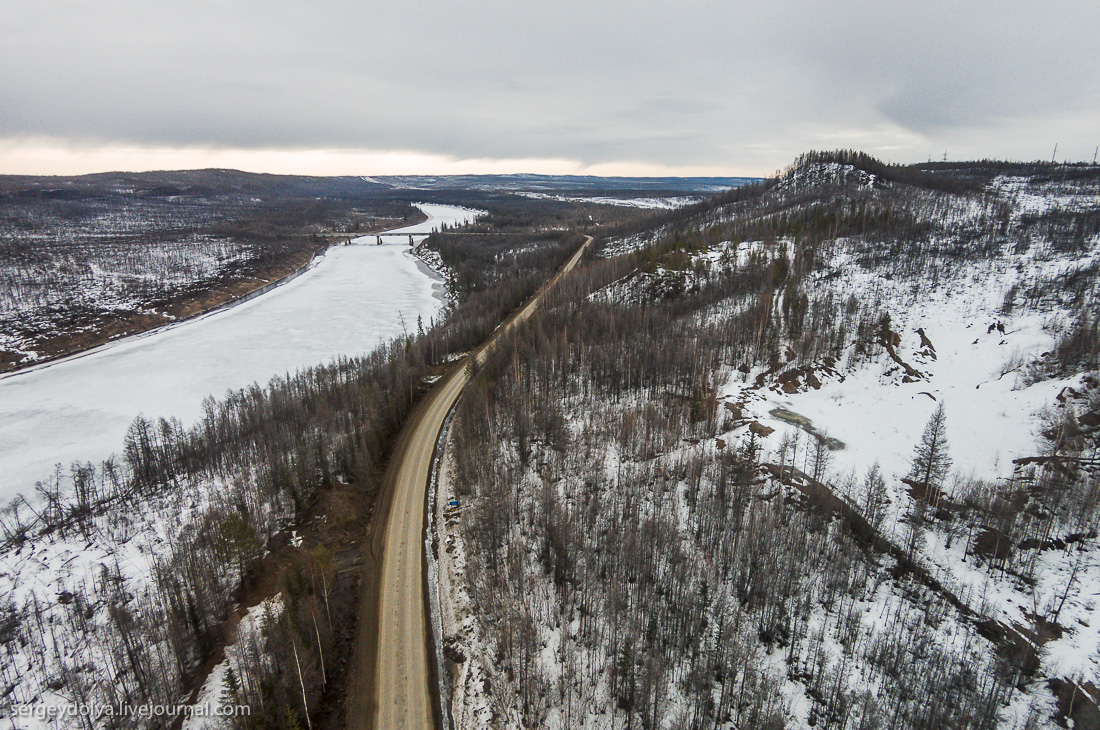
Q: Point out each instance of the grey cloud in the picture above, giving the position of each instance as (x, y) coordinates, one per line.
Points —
(694, 83)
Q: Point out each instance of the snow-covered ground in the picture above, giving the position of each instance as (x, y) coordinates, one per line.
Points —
(431, 259)
(82, 579)
(105, 278)
(993, 412)
(79, 409)
(977, 366)
(1031, 199)
(665, 203)
(470, 707)
(215, 702)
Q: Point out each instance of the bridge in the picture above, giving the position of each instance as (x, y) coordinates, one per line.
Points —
(370, 239)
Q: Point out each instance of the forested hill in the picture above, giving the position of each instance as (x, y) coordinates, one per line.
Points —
(818, 452)
(821, 179)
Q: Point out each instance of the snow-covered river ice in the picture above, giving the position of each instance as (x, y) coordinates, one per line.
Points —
(79, 409)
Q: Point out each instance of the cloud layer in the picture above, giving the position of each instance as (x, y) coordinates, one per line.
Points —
(733, 86)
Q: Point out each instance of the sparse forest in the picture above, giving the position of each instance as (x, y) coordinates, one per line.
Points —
(149, 553)
(643, 543)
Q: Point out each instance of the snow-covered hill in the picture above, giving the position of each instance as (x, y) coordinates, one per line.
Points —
(700, 480)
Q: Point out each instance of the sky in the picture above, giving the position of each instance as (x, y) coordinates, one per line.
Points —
(691, 87)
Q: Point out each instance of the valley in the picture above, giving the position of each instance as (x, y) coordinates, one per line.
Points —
(817, 450)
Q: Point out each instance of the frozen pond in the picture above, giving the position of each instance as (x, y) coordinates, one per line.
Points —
(79, 409)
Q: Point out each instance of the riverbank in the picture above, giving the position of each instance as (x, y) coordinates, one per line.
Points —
(108, 331)
(79, 408)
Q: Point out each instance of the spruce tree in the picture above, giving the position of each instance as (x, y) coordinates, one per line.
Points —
(931, 462)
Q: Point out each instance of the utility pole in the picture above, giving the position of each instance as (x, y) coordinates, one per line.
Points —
(1055, 153)
(945, 155)
(1095, 153)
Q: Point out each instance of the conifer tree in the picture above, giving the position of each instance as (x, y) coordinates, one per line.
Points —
(931, 462)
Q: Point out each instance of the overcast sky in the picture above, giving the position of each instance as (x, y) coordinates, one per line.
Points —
(678, 87)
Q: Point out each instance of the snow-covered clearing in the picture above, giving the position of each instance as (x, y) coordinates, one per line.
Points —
(1030, 199)
(994, 413)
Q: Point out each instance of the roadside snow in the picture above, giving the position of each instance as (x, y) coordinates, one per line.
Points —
(470, 706)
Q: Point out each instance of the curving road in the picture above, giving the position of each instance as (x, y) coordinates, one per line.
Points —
(391, 681)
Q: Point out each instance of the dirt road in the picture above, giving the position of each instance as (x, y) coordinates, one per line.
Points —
(391, 682)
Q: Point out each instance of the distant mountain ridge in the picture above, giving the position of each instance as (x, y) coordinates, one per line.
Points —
(218, 181)
(593, 183)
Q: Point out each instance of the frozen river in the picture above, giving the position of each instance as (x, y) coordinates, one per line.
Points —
(79, 409)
